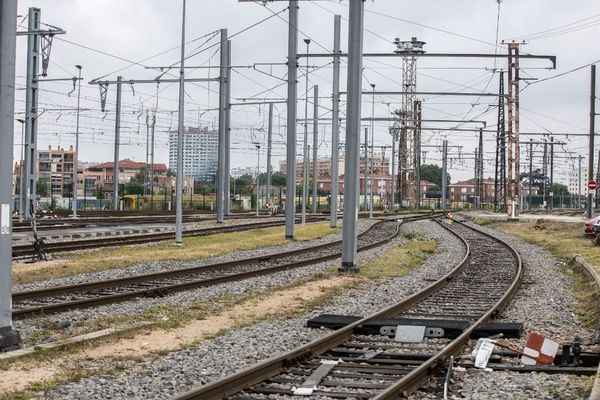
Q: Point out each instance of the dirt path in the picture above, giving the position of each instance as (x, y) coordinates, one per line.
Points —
(22, 374)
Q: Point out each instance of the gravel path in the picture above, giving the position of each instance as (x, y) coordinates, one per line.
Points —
(210, 360)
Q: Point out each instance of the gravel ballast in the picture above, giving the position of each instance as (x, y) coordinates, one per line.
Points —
(544, 303)
(139, 306)
(210, 360)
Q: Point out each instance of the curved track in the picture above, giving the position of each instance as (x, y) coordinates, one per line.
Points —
(347, 364)
(92, 294)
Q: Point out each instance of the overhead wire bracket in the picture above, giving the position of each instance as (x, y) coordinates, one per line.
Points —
(103, 91)
(46, 48)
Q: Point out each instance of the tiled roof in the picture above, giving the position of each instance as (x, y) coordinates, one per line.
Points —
(127, 164)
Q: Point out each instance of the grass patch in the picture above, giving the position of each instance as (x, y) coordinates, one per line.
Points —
(482, 221)
(193, 248)
(400, 260)
(588, 298)
(33, 391)
(563, 240)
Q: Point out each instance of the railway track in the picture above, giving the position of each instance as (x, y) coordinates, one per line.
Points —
(23, 251)
(30, 303)
(348, 364)
(84, 222)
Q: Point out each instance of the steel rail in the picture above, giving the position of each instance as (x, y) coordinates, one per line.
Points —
(58, 247)
(163, 290)
(416, 377)
(95, 223)
(126, 218)
(234, 383)
(58, 290)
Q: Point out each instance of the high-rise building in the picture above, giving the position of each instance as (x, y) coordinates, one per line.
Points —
(55, 169)
(200, 152)
(578, 181)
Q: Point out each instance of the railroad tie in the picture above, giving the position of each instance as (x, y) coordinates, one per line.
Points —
(311, 383)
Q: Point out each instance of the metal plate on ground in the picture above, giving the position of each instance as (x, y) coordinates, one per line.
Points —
(409, 333)
(430, 332)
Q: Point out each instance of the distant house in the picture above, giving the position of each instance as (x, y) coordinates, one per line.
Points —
(101, 176)
(464, 191)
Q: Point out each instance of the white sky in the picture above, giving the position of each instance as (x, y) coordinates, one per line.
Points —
(137, 29)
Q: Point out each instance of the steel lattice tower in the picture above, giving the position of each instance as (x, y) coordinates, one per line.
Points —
(408, 140)
(500, 188)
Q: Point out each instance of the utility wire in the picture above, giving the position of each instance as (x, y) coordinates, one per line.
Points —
(552, 30)
(560, 75)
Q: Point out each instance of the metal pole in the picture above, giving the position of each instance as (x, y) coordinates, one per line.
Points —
(366, 171)
(475, 180)
(180, 129)
(579, 184)
(315, 147)
(257, 178)
(269, 166)
(117, 138)
(372, 155)
(417, 144)
(76, 155)
(290, 157)
(551, 173)
(545, 175)
(305, 143)
(335, 123)
(31, 105)
(147, 171)
(22, 173)
(590, 205)
(393, 183)
(351, 170)
(444, 173)
(152, 160)
(480, 170)
(530, 173)
(598, 180)
(517, 140)
(221, 173)
(227, 207)
(8, 21)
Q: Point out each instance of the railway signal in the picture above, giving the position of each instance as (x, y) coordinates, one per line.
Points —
(592, 185)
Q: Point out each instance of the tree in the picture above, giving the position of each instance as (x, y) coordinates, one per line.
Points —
(245, 179)
(277, 178)
(53, 205)
(559, 189)
(537, 178)
(99, 193)
(433, 192)
(133, 187)
(170, 173)
(204, 187)
(432, 173)
(42, 188)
